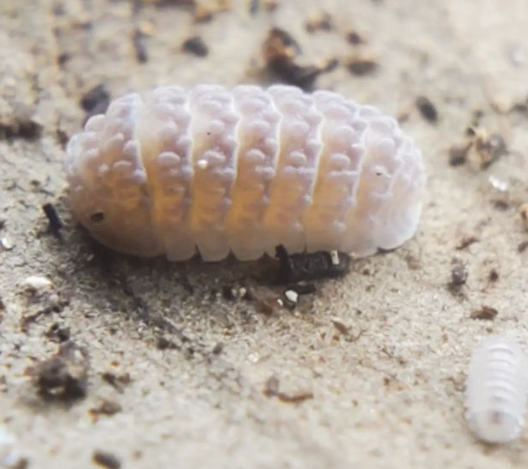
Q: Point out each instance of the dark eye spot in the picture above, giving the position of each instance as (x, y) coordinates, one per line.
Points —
(97, 217)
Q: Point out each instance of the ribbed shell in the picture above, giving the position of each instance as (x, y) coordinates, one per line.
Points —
(244, 170)
(496, 390)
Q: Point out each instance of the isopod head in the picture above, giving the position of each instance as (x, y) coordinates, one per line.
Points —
(244, 170)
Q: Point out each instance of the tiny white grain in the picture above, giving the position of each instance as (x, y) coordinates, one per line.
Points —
(292, 296)
(335, 257)
(7, 243)
(496, 390)
(37, 283)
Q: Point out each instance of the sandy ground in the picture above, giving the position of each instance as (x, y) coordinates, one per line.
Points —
(369, 371)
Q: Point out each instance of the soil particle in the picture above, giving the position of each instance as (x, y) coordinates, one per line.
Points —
(485, 313)
(95, 101)
(106, 459)
(427, 109)
(310, 266)
(281, 52)
(196, 45)
(64, 376)
(362, 65)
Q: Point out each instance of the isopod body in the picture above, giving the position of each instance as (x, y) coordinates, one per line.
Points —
(244, 170)
(496, 390)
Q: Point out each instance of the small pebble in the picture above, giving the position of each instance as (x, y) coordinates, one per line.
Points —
(292, 296)
(106, 459)
(37, 283)
(196, 45)
(363, 65)
(427, 109)
(7, 243)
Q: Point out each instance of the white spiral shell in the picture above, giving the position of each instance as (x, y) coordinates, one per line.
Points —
(496, 390)
(244, 170)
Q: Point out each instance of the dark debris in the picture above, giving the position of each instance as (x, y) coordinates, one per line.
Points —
(362, 65)
(106, 459)
(458, 154)
(489, 148)
(218, 348)
(140, 46)
(354, 38)
(281, 51)
(459, 276)
(25, 129)
(493, 276)
(118, 382)
(195, 45)
(163, 343)
(522, 246)
(480, 148)
(237, 292)
(54, 307)
(485, 313)
(427, 109)
(95, 101)
(310, 266)
(64, 376)
(272, 389)
(55, 223)
(140, 305)
(58, 333)
(97, 217)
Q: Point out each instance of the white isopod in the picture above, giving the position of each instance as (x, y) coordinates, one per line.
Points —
(496, 390)
(244, 170)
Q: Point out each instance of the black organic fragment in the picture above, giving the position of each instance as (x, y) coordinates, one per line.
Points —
(281, 52)
(106, 459)
(63, 376)
(310, 266)
(485, 313)
(138, 41)
(362, 65)
(427, 109)
(55, 222)
(95, 101)
(25, 129)
(196, 45)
